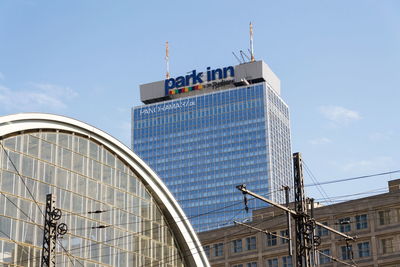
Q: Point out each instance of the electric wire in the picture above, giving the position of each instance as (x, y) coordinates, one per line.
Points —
(330, 200)
(136, 251)
(29, 191)
(218, 238)
(189, 252)
(318, 185)
(22, 179)
(251, 199)
(354, 178)
(215, 211)
(237, 233)
(335, 259)
(377, 190)
(347, 179)
(143, 232)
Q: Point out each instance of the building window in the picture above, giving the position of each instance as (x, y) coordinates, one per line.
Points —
(363, 249)
(398, 214)
(285, 233)
(387, 245)
(321, 231)
(322, 256)
(251, 264)
(384, 217)
(251, 243)
(271, 239)
(207, 251)
(272, 263)
(344, 225)
(347, 252)
(237, 246)
(237, 265)
(218, 249)
(287, 261)
(361, 221)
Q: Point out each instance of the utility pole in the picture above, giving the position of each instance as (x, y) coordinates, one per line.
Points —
(304, 223)
(51, 231)
(316, 239)
(288, 220)
(304, 226)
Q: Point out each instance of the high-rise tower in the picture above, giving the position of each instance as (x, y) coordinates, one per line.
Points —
(208, 131)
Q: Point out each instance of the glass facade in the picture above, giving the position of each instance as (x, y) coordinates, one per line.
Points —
(203, 146)
(84, 176)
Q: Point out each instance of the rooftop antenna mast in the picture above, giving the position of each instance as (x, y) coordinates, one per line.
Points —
(251, 43)
(237, 58)
(167, 59)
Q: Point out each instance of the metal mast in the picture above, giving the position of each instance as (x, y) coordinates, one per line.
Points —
(251, 43)
(49, 234)
(303, 227)
(51, 231)
(306, 242)
(167, 59)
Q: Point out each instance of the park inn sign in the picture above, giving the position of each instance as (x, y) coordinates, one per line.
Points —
(211, 79)
(196, 79)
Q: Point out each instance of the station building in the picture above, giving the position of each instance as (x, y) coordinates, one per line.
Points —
(208, 131)
(118, 211)
(373, 220)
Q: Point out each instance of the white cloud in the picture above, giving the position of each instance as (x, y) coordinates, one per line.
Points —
(380, 136)
(320, 141)
(369, 165)
(40, 97)
(339, 115)
(56, 90)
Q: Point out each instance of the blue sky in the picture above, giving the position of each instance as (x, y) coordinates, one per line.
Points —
(338, 61)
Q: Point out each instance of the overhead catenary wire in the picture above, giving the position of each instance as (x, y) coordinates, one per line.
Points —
(251, 199)
(21, 178)
(215, 211)
(217, 240)
(353, 178)
(342, 198)
(30, 193)
(209, 241)
(137, 233)
(141, 232)
(335, 259)
(27, 216)
(186, 253)
(318, 185)
(125, 236)
(135, 251)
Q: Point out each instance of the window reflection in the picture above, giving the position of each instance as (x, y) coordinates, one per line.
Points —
(84, 176)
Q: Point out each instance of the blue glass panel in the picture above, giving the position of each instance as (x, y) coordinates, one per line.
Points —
(203, 146)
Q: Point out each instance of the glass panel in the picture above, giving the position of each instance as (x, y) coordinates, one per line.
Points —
(118, 201)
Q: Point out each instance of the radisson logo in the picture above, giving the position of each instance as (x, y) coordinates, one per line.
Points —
(181, 84)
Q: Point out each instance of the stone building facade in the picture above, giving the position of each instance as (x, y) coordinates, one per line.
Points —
(375, 220)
